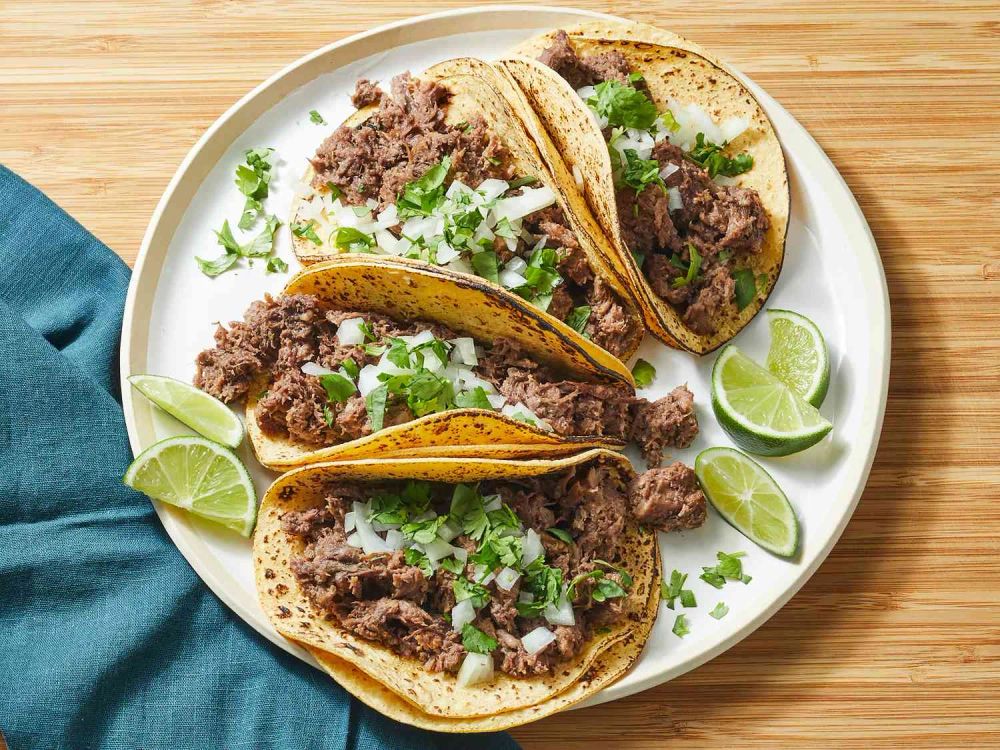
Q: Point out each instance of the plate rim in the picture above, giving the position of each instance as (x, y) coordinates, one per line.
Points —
(865, 251)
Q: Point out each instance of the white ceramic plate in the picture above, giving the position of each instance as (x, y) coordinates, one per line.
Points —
(832, 274)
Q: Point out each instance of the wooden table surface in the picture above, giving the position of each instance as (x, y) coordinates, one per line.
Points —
(896, 640)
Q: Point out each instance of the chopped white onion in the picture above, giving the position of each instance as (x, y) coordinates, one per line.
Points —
(447, 531)
(530, 200)
(394, 539)
(446, 253)
(493, 502)
(349, 521)
(497, 401)
(437, 550)
(480, 575)
(492, 189)
(532, 547)
(506, 578)
(368, 379)
(354, 540)
(517, 264)
(733, 127)
(370, 541)
(561, 613)
(349, 332)
(525, 597)
(578, 177)
(668, 169)
(462, 614)
(388, 218)
(311, 368)
(674, 200)
(511, 279)
(537, 640)
(380, 527)
(464, 351)
(475, 670)
(461, 554)
(424, 337)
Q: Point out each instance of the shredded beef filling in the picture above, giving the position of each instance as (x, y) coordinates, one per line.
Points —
(381, 598)
(280, 334)
(724, 223)
(668, 499)
(407, 135)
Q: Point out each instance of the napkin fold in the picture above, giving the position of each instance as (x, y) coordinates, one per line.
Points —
(108, 639)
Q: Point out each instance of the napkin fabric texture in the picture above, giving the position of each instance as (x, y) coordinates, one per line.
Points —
(108, 639)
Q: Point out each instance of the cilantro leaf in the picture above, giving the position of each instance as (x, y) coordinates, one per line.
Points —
(746, 287)
(693, 267)
(607, 588)
(730, 568)
(638, 173)
(643, 372)
(452, 565)
(669, 122)
(474, 399)
(327, 415)
(220, 265)
(415, 557)
(467, 507)
(476, 641)
(423, 532)
(561, 534)
(253, 180)
(350, 368)
(466, 589)
(316, 117)
(687, 598)
(623, 105)
(485, 265)
(521, 182)
(276, 265)
(720, 611)
(578, 317)
(709, 155)
(422, 196)
(375, 406)
(353, 240)
(680, 628)
(338, 388)
(306, 230)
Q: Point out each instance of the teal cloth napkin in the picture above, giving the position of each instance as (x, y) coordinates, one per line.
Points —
(107, 638)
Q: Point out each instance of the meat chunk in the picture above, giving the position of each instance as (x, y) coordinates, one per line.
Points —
(610, 326)
(669, 421)
(668, 499)
(584, 71)
(715, 294)
(365, 92)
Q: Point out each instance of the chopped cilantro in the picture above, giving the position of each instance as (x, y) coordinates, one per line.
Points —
(327, 415)
(466, 589)
(543, 582)
(259, 247)
(687, 598)
(730, 568)
(276, 265)
(338, 388)
(623, 105)
(578, 318)
(639, 258)
(335, 192)
(415, 557)
(422, 196)
(253, 179)
(709, 155)
(560, 534)
(643, 372)
(746, 287)
(423, 532)
(375, 406)
(522, 181)
(693, 267)
(474, 399)
(306, 230)
(680, 628)
(353, 240)
(675, 589)
(476, 641)
(639, 174)
(541, 277)
(669, 122)
(720, 611)
(316, 118)
(350, 368)
(220, 265)
(485, 265)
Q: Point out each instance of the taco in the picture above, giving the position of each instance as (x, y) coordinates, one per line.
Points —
(678, 162)
(478, 593)
(440, 169)
(362, 356)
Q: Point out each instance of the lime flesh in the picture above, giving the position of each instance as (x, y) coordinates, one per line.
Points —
(200, 476)
(202, 413)
(748, 498)
(798, 355)
(761, 413)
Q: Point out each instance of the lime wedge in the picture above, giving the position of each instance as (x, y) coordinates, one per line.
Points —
(798, 355)
(205, 415)
(761, 414)
(200, 476)
(748, 498)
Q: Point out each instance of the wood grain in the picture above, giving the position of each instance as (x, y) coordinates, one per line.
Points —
(895, 642)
